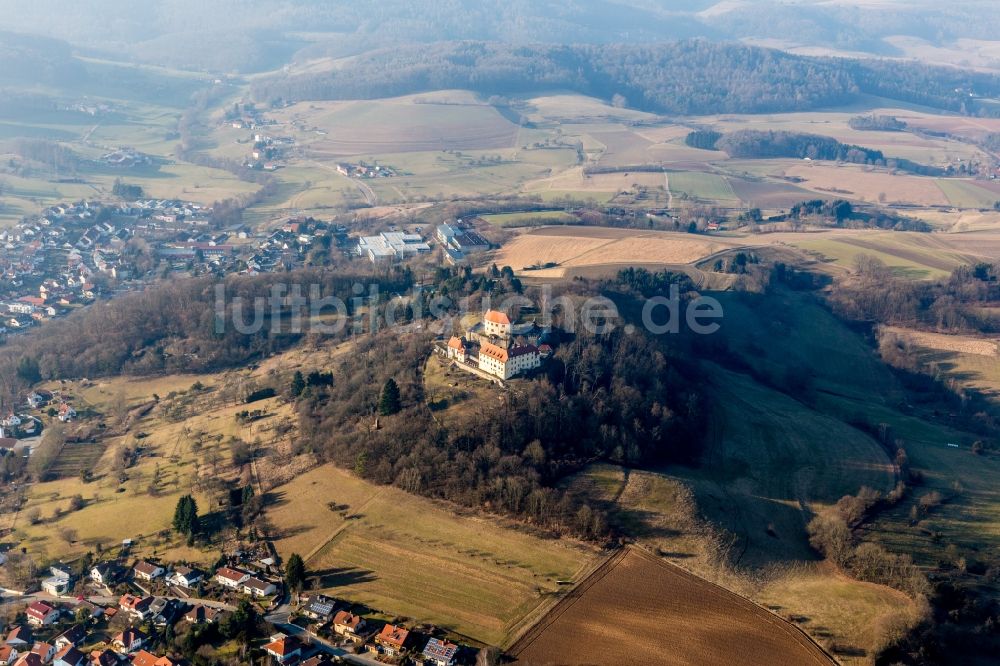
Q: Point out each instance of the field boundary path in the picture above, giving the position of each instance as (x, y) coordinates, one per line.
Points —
(536, 630)
(340, 528)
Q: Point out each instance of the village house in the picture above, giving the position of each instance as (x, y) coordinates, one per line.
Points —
(186, 577)
(143, 658)
(231, 578)
(201, 614)
(137, 607)
(57, 585)
(20, 636)
(319, 608)
(392, 640)
(107, 573)
(44, 651)
(349, 626)
(41, 614)
(284, 649)
(8, 655)
(256, 587)
(148, 570)
(129, 641)
(440, 653)
(66, 413)
(29, 659)
(73, 636)
(104, 658)
(69, 656)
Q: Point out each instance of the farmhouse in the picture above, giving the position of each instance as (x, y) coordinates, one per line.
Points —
(393, 245)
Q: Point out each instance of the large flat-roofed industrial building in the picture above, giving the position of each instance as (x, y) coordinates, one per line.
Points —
(391, 245)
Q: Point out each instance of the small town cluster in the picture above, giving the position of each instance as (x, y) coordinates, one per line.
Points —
(73, 253)
(497, 349)
(107, 614)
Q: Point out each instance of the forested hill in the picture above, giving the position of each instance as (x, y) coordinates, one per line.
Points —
(686, 77)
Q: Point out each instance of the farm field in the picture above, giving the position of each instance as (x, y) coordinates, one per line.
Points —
(533, 218)
(409, 556)
(662, 615)
(579, 247)
(701, 186)
(910, 254)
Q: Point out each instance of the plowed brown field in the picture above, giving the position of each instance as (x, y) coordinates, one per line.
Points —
(638, 609)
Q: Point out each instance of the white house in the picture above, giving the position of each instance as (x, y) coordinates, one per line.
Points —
(231, 578)
(185, 577)
(148, 570)
(256, 587)
(56, 585)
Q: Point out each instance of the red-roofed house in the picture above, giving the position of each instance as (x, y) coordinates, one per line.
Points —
(148, 571)
(349, 625)
(41, 614)
(45, 651)
(232, 578)
(284, 649)
(8, 655)
(137, 607)
(143, 658)
(392, 639)
(129, 641)
(69, 656)
(29, 659)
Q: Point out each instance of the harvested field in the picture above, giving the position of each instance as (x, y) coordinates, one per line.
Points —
(960, 344)
(854, 182)
(761, 194)
(576, 247)
(639, 609)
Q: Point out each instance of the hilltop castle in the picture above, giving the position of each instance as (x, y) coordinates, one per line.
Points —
(489, 347)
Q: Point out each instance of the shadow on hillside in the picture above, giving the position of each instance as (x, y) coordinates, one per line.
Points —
(339, 577)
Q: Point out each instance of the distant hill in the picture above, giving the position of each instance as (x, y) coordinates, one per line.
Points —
(687, 77)
(258, 35)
